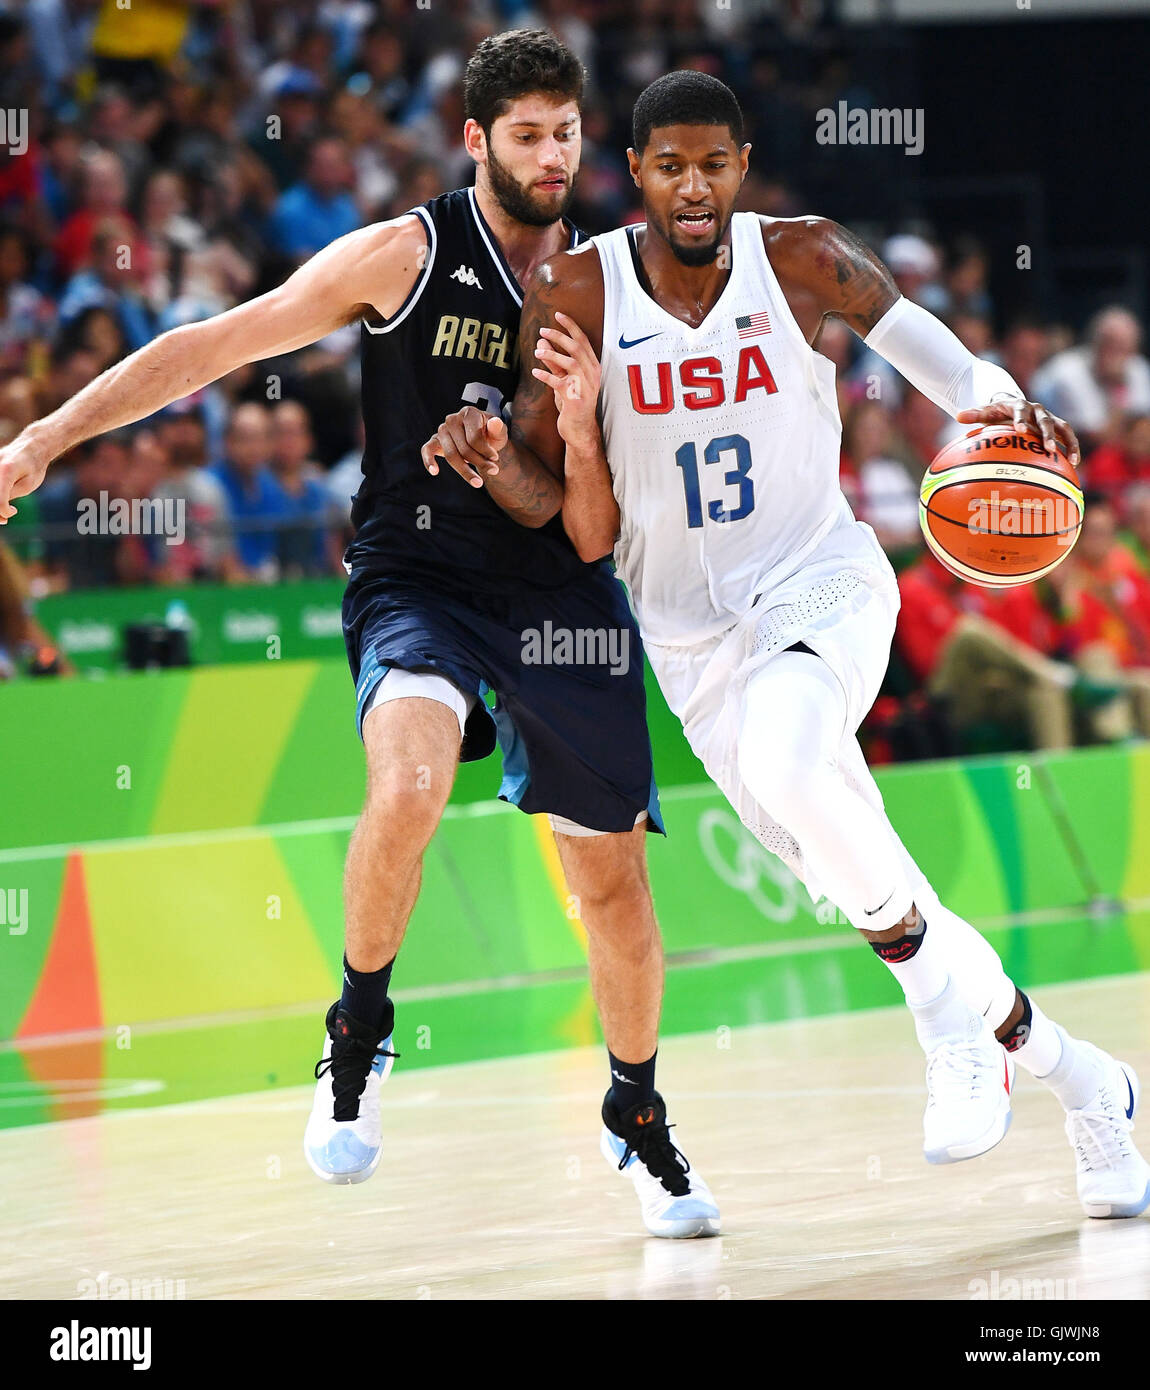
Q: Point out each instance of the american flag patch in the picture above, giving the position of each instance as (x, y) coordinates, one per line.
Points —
(753, 325)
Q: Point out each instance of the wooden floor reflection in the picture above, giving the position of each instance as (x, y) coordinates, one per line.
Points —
(492, 1186)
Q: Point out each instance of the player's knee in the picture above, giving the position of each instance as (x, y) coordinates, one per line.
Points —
(624, 922)
(404, 804)
(780, 782)
(615, 897)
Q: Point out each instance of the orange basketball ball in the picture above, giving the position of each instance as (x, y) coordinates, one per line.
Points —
(998, 510)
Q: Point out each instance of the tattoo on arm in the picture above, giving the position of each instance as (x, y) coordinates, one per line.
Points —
(533, 413)
(527, 489)
(858, 285)
(527, 484)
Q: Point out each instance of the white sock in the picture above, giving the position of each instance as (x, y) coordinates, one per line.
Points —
(1075, 1076)
(924, 976)
(1041, 1053)
(946, 1018)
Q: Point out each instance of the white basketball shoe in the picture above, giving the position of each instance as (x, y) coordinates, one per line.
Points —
(676, 1203)
(969, 1080)
(1113, 1177)
(343, 1142)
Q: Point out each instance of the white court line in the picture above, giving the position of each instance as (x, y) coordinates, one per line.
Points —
(694, 959)
(279, 1099)
(175, 839)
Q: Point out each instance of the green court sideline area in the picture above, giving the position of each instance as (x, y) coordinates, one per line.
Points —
(170, 886)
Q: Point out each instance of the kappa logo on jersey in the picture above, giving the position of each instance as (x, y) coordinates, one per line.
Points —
(702, 382)
(466, 276)
(475, 340)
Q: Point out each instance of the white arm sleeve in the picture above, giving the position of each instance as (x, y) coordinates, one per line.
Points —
(932, 359)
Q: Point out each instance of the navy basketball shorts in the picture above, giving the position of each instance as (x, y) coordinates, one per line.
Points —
(565, 668)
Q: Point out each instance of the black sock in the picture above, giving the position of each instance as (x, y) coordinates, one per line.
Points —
(902, 948)
(365, 997)
(631, 1082)
(1021, 1030)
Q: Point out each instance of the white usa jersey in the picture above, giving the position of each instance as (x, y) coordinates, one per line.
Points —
(722, 441)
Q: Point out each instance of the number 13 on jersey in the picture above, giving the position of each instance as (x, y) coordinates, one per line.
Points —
(731, 508)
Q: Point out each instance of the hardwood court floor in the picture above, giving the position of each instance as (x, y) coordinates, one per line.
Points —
(492, 1185)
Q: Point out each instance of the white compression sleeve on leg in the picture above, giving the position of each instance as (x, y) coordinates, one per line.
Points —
(932, 359)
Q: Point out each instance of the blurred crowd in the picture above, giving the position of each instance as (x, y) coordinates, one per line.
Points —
(180, 157)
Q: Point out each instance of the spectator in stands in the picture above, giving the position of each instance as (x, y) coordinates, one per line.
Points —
(966, 280)
(1136, 537)
(916, 266)
(342, 483)
(1106, 602)
(136, 44)
(284, 138)
(73, 366)
(27, 317)
(974, 332)
(113, 122)
(304, 543)
(923, 428)
(1025, 347)
(381, 76)
(100, 332)
(257, 502)
(374, 181)
(76, 556)
(103, 195)
(886, 493)
(317, 210)
(981, 650)
(1113, 468)
(1095, 386)
(207, 550)
(118, 270)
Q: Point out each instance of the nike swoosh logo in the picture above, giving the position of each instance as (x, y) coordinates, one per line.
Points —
(624, 344)
(626, 1080)
(1130, 1111)
(870, 911)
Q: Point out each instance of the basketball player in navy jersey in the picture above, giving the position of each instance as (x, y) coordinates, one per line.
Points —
(448, 577)
(678, 392)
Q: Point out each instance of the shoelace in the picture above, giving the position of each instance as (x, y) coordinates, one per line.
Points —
(961, 1064)
(1100, 1140)
(349, 1064)
(660, 1157)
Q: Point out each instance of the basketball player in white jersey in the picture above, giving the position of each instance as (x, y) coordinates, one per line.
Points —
(679, 393)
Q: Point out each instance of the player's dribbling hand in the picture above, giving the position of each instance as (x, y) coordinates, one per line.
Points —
(1030, 417)
(572, 371)
(22, 469)
(466, 441)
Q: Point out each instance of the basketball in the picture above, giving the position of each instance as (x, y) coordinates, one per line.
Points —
(997, 510)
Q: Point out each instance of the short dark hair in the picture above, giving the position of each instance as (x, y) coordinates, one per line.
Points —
(515, 64)
(686, 97)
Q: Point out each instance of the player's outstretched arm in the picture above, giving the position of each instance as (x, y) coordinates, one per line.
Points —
(371, 269)
(827, 270)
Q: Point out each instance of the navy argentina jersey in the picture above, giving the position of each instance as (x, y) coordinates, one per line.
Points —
(454, 342)
(444, 582)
